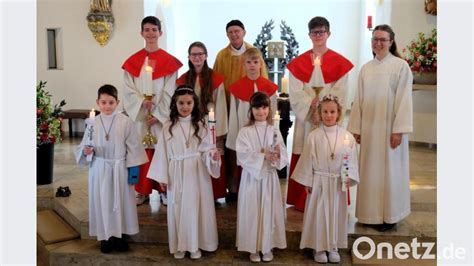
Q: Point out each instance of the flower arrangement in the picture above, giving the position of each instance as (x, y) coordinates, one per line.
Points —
(48, 117)
(421, 54)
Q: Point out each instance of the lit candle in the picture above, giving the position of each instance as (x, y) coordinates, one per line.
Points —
(346, 140)
(369, 22)
(92, 114)
(276, 120)
(211, 115)
(148, 82)
(284, 85)
(317, 61)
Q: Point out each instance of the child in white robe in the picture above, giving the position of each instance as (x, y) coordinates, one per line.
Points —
(327, 167)
(184, 161)
(260, 213)
(114, 147)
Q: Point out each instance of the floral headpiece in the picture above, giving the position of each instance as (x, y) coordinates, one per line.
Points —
(330, 97)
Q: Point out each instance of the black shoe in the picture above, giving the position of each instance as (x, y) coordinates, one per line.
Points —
(386, 227)
(231, 197)
(67, 192)
(106, 246)
(120, 244)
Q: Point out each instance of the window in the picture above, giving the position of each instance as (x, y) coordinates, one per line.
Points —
(54, 48)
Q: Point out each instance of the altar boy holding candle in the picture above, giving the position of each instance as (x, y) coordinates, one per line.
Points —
(149, 82)
(240, 93)
(319, 67)
(326, 169)
(116, 153)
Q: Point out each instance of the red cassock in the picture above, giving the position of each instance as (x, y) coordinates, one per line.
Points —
(334, 66)
(163, 64)
(218, 184)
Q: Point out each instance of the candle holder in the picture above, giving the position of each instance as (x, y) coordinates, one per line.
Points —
(149, 139)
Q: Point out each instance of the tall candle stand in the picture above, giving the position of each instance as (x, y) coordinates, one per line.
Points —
(149, 139)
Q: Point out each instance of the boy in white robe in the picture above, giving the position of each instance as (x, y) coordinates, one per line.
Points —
(111, 142)
(260, 212)
(184, 161)
(151, 72)
(327, 167)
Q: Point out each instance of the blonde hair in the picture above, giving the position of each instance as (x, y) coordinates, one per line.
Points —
(252, 53)
(331, 98)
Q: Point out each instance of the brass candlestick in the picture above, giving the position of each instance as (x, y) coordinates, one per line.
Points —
(317, 91)
(149, 139)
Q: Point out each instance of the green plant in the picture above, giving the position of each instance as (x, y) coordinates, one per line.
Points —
(48, 117)
(421, 54)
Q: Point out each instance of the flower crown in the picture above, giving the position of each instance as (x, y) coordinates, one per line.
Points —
(330, 97)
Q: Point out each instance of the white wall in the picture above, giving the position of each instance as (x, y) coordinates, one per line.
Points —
(87, 65)
(408, 17)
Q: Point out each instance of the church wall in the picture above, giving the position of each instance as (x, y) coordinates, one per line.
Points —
(86, 65)
(408, 18)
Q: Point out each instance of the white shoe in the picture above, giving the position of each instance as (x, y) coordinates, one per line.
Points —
(164, 199)
(320, 257)
(196, 255)
(254, 257)
(334, 257)
(268, 256)
(140, 199)
(179, 254)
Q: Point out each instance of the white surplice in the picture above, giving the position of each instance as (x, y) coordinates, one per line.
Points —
(187, 173)
(219, 106)
(382, 106)
(239, 116)
(260, 211)
(112, 208)
(325, 213)
(301, 95)
(163, 90)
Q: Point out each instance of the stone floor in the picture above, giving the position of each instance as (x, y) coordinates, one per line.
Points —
(421, 223)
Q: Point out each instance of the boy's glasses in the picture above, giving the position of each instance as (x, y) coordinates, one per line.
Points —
(382, 40)
(314, 33)
(196, 54)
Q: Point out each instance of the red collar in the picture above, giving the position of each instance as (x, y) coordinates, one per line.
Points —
(333, 68)
(217, 80)
(244, 87)
(162, 63)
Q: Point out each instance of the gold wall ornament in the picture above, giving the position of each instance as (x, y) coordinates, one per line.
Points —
(100, 20)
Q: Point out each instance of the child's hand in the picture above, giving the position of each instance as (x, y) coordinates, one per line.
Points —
(270, 156)
(163, 186)
(308, 190)
(357, 138)
(88, 150)
(151, 121)
(216, 154)
(148, 104)
(347, 182)
(315, 103)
